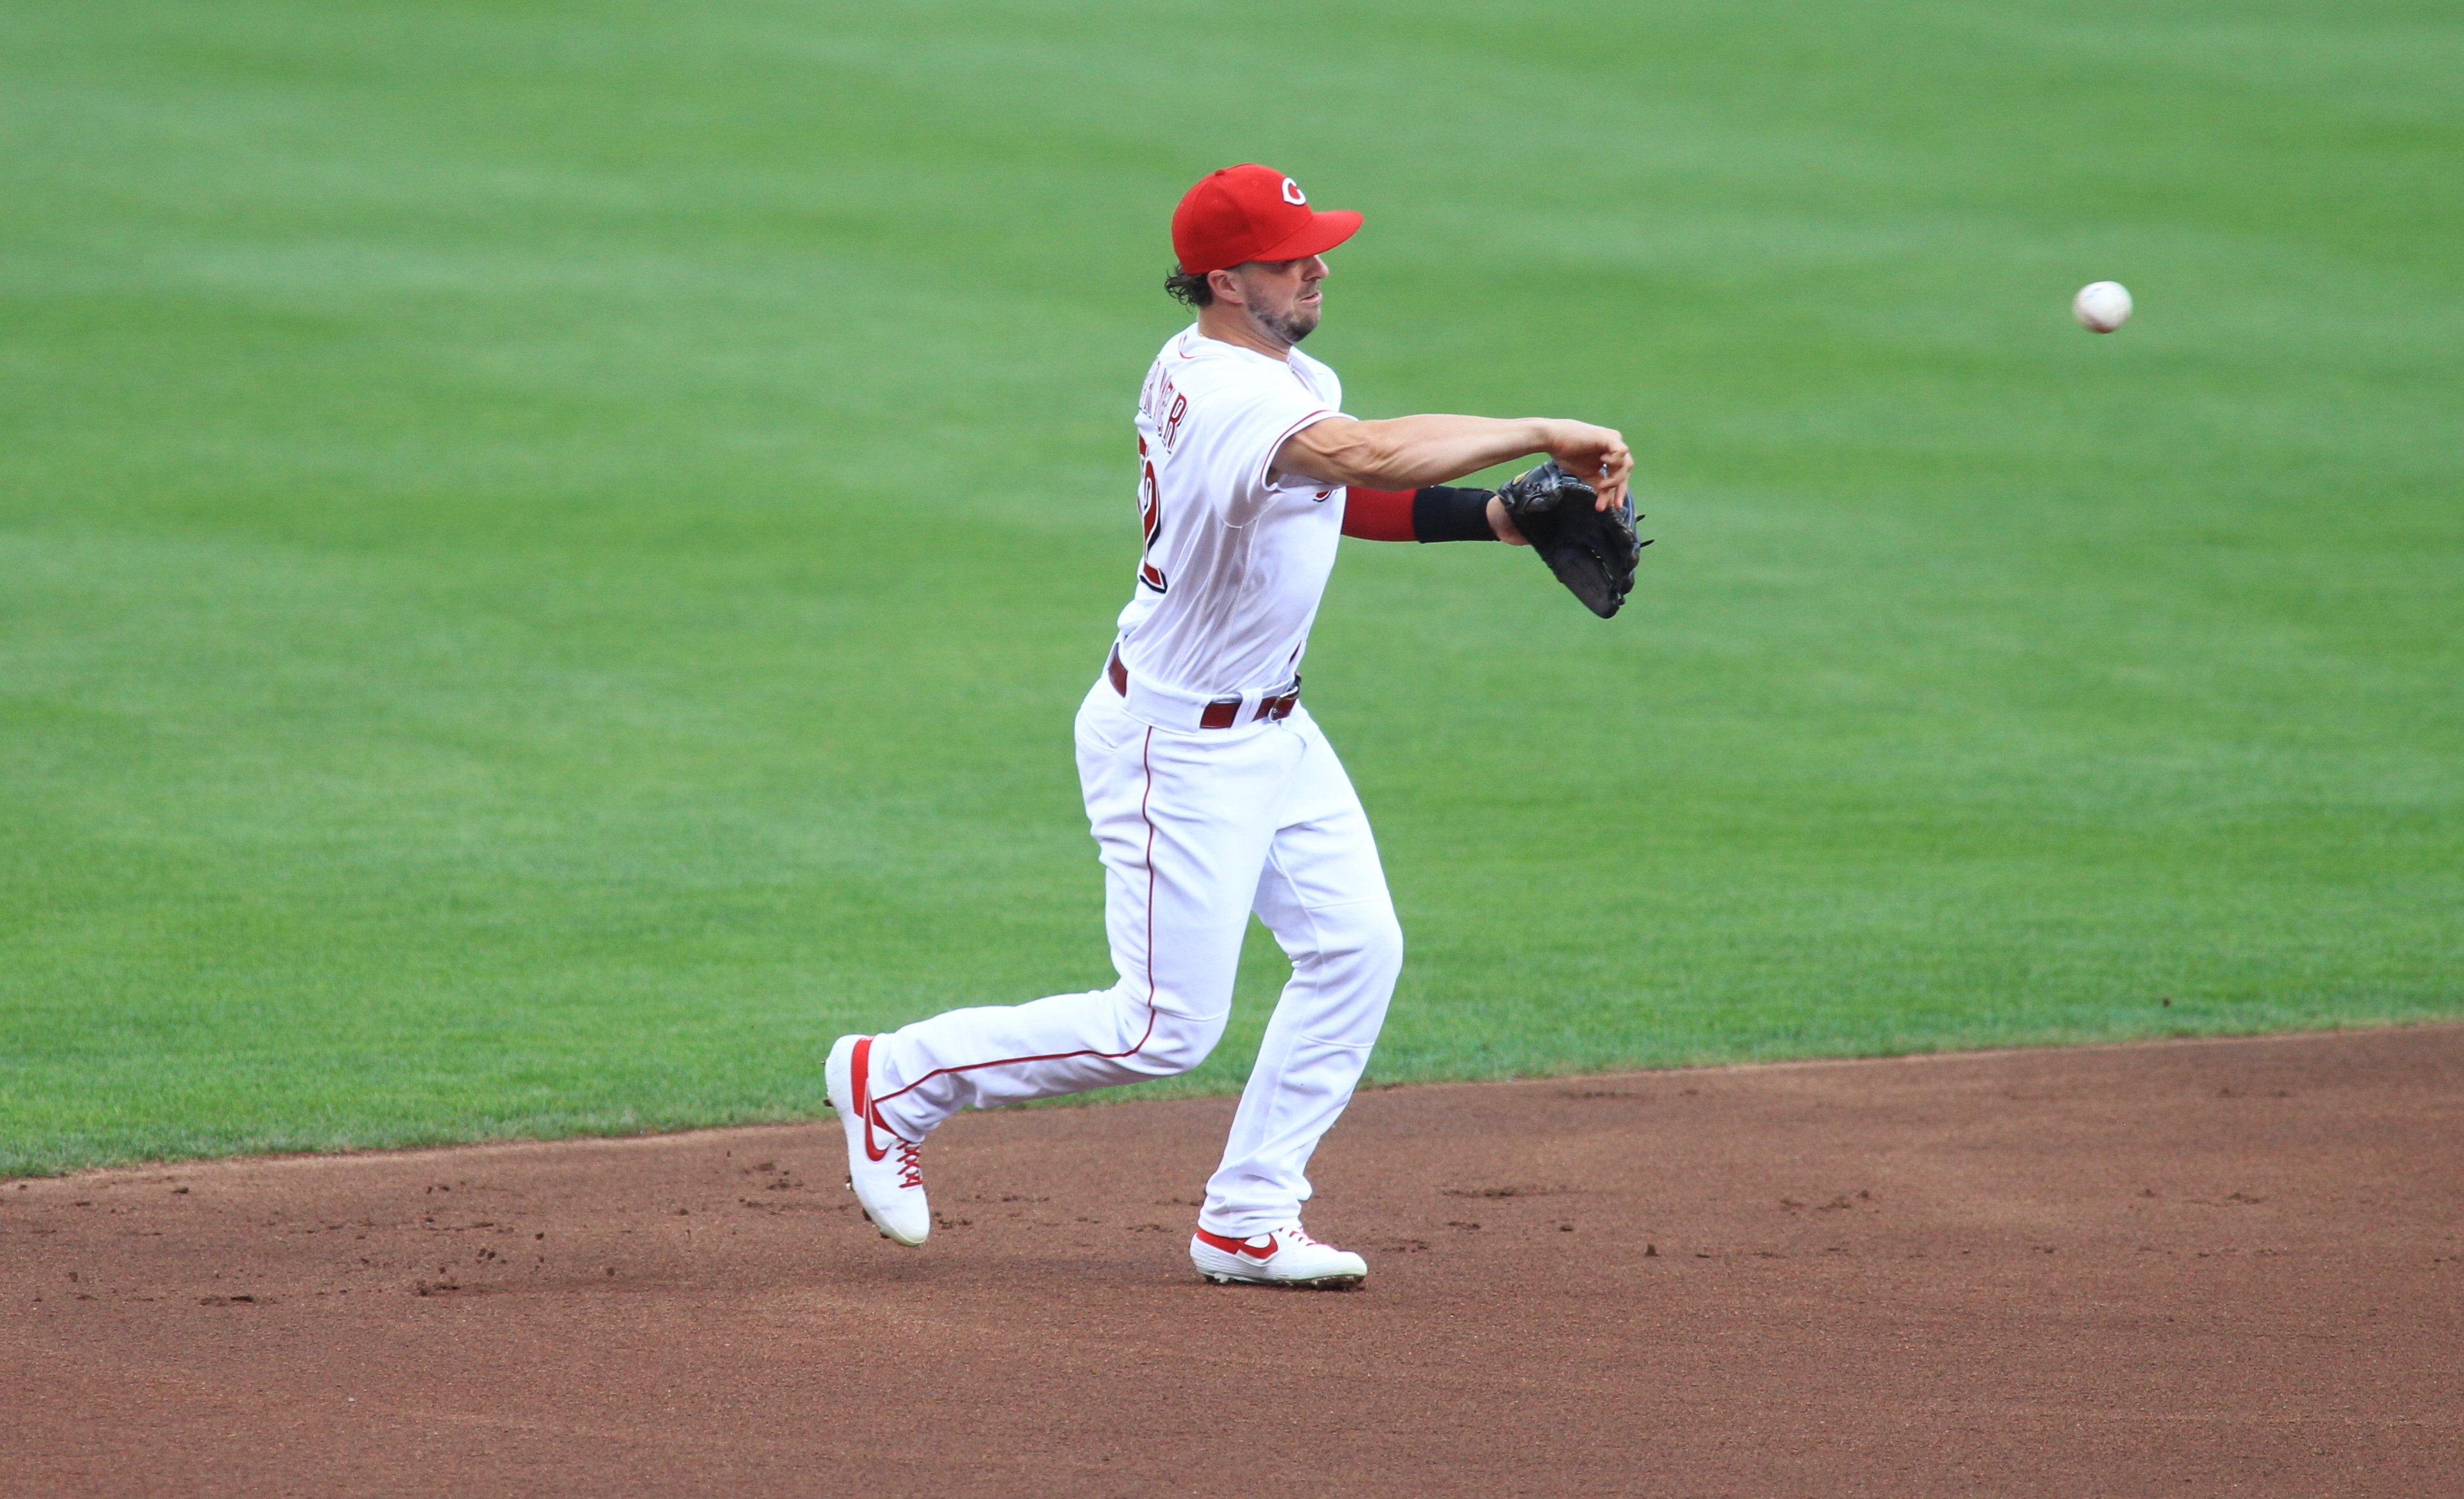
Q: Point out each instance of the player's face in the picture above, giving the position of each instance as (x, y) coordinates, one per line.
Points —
(1283, 297)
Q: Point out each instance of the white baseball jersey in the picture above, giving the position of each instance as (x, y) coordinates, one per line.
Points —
(1236, 558)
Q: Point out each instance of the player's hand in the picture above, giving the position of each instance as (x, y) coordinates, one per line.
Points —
(1598, 455)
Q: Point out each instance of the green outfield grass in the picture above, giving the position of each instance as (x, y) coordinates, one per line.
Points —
(547, 551)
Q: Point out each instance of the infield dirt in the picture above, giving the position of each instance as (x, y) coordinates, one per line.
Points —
(2189, 1267)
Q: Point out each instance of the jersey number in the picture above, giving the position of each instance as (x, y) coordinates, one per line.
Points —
(1150, 521)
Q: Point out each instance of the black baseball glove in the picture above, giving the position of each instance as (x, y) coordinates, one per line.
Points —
(1592, 552)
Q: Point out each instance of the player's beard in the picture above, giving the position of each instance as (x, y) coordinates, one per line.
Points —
(1291, 326)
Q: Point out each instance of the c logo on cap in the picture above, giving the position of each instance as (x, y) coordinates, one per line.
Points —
(1293, 195)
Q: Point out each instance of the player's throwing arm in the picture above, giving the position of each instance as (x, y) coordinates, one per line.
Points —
(1577, 510)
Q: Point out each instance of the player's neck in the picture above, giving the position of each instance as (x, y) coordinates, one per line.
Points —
(1226, 323)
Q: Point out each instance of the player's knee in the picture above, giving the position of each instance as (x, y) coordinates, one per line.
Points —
(1368, 937)
(1388, 943)
(1175, 1043)
(1163, 1040)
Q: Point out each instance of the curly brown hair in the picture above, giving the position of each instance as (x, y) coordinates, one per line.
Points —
(1190, 291)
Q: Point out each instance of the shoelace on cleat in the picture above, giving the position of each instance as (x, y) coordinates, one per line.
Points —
(910, 1163)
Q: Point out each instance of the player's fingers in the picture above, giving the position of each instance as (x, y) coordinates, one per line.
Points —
(1617, 469)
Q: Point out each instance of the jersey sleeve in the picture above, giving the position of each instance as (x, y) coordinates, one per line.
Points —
(1253, 421)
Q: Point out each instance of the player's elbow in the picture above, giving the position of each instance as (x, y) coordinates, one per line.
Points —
(1345, 453)
(1376, 456)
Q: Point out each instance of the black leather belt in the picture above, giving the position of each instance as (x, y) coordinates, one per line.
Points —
(1222, 712)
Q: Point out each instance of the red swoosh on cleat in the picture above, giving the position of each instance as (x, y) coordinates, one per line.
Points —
(1231, 1246)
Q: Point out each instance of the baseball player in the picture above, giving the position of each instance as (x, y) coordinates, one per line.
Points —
(1211, 790)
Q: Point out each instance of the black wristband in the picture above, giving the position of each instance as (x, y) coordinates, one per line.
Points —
(1440, 513)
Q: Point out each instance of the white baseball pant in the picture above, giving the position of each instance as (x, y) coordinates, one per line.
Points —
(1196, 829)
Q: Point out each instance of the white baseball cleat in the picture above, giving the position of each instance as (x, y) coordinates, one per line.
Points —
(1287, 1256)
(886, 1171)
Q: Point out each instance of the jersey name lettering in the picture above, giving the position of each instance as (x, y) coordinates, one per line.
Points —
(1164, 406)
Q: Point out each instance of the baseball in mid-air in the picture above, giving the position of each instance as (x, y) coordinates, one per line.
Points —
(2102, 306)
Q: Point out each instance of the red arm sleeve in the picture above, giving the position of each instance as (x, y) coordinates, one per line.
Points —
(1379, 514)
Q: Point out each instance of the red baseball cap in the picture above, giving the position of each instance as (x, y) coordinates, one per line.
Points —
(1251, 212)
